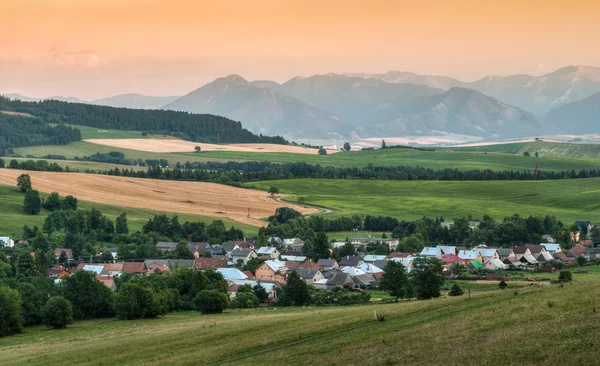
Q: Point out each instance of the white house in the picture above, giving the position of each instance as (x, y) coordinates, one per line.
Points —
(232, 274)
(432, 252)
(494, 264)
(243, 255)
(372, 258)
(552, 248)
(270, 251)
(8, 242)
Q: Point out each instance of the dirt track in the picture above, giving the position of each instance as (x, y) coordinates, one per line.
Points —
(166, 146)
(209, 199)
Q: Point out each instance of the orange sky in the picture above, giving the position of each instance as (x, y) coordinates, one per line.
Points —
(96, 48)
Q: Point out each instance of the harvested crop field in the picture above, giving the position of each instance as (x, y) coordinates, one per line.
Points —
(209, 199)
(166, 146)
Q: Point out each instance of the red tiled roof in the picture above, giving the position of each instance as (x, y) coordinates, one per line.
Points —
(292, 265)
(210, 263)
(309, 264)
(234, 288)
(533, 248)
(114, 267)
(586, 243)
(158, 267)
(577, 250)
(134, 267)
(248, 273)
(108, 281)
(452, 258)
(68, 252)
(561, 256)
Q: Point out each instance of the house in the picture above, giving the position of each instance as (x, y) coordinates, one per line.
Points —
(536, 250)
(586, 243)
(166, 246)
(447, 249)
(494, 264)
(392, 243)
(364, 280)
(521, 251)
(112, 251)
(336, 279)
(406, 262)
(431, 252)
(551, 248)
(187, 263)
(243, 255)
(272, 270)
(372, 258)
(381, 264)
(137, 268)
(98, 270)
(470, 255)
(229, 247)
(272, 252)
(371, 269)
(294, 244)
(393, 255)
(591, 254)
(544, 257)
(58, 271)
(310, 275)
(487, 253)
(476, 264)
(210, 263)
(560, 256)
(275, 241)
(576, 252)
(504, 253)
(291, 265)
(529, 259)
(114, 269)
(249, 274)
(451, 259)
(585, 225)
(309, 264)
(350, 261)
(294, 258)
(549, 239)
(328, 263)
(68, 253)
(7, 242)
(231, 274)
(213, 252)
(108, 281)
(154, 268)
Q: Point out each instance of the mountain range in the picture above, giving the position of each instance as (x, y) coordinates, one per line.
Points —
(394, 104)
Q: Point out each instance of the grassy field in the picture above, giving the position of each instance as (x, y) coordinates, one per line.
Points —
(545, 149)
(388, 157)
(12, 217)
(569, 200)
(545, 325)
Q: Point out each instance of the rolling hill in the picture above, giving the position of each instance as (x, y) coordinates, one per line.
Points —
(135, 101)
(262, 110)
(579, 117)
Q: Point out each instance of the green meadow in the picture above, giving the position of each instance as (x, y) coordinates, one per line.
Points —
(389, 157)
(546, 325)
(12, 218)
(543, 148)
(568, 200)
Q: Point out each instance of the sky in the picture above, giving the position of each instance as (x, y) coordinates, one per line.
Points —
(98, 48)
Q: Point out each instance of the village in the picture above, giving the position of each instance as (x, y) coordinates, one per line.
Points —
(247, 263)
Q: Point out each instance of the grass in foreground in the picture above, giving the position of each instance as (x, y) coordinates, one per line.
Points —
(537, 325)
(389, 157)
(12, 217)
(569, 200)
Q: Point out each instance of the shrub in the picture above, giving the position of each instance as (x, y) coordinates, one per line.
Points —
(502, 285)
(456, 290)
(211, 301)
(10, 311)
(135, 301)
(565, 276)
(57, 312)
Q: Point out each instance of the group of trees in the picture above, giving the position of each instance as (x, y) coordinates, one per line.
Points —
(19, 130)
(424, 281)
(192, 127)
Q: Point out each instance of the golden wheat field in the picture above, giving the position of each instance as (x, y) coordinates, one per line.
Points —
(173, 145)
(210, 199)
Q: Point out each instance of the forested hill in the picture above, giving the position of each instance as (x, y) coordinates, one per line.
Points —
(19, 131)
(191, 127)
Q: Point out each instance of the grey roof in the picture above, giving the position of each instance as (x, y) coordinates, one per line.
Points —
(307, 273)
(241, 252)
(326, 262)
(350, 261)
(504, 252)
(364, 279)
(181, 263)
(149, 262)
(339, 278)
(228, 246)
(381, 264)
(166, 245)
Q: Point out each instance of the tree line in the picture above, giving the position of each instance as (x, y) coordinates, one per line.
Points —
(191, 127)
(18, 131)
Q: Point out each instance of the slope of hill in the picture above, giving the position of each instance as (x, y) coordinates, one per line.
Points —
(24, 98)
(543, 148)
(135, 101)
(193, 127)
(262, 110)
(356, 100)
(536, 324)
(462, 111)
(404, 77)
(577, 117)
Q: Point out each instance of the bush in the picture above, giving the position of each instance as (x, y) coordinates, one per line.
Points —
(502, 285)
(24, 182)
(565, 276)
(10, 311)
(57, 312)
(455, 290)
(135, 301)
(211, 301)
